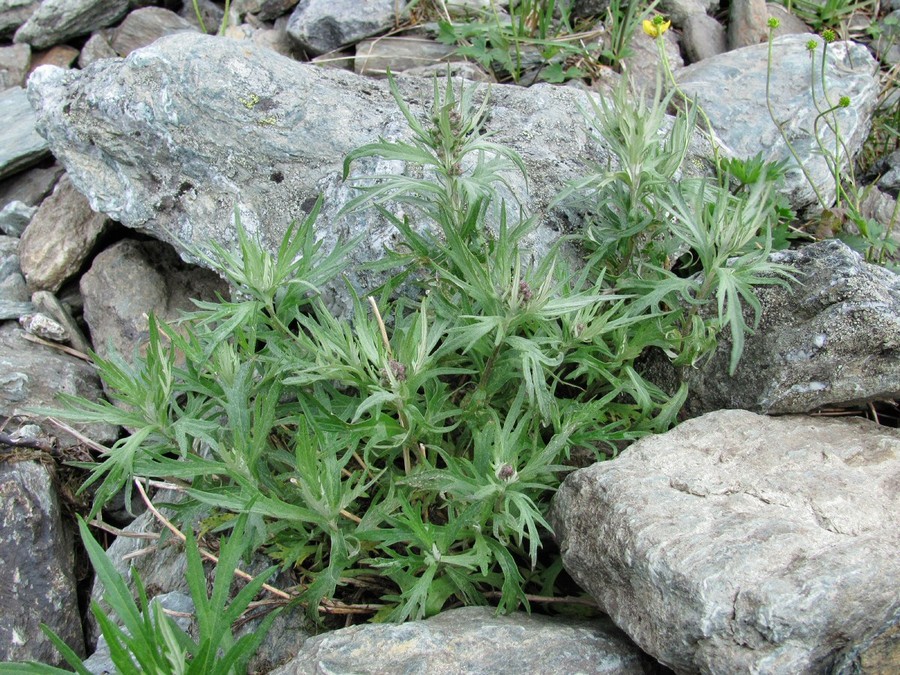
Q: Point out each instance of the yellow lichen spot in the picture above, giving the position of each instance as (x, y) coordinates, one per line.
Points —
(250, 102)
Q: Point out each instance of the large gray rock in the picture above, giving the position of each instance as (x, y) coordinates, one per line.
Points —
(56, 21)
(59, 238)
(22, 146)
(13, 13)
(475, 641)
(37, 559)
(831, 340)
(319, 26)
(738, 543)
(32, 375)
(136, 138)
(731, 88)
(133, 279)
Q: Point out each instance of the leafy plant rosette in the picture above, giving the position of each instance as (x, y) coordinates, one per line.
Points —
(404, 461)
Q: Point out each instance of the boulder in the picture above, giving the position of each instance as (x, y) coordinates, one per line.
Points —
(320, 26)
(731, 88)
(22, 146)
(37, 559)
(57, 21)
(740, 543)
(833, 339)
(136, 139)
(472, 640)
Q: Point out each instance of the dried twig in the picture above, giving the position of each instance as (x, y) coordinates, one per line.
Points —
(206, 554)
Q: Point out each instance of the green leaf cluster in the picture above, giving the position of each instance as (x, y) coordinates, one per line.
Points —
(409, 454)
(146, 640)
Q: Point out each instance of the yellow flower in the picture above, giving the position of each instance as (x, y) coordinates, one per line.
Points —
(656, 26)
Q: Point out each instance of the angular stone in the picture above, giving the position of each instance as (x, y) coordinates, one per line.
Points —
(14, 62)
(133, 279)
(22, 145)
(680, 10)
(48, 304)
(320, 26)
(472, 640)
(14, 218)
(459, 69)
(32, 375)
(13, 13)
(582, 9)
(144, 26)
(31, 186)
(831, 340)
(130, 134)
(703, 37)
(44, 327)
(59, 238)
(374, 57)
(732, 90)
(267, 10)
(14, 299)
(61, 56)
(788, 23)
(643, 64)
(37, 559)
(747, 23)
(97, 47)
(56, 21)
(211, 14)
(741, 543)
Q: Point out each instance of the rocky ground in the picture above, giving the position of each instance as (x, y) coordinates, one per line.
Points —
(737, 542)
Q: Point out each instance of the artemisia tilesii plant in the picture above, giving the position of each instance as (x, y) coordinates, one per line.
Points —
(406, 459)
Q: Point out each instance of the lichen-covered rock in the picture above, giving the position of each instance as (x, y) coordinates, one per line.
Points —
(833, 339)
(472, 640)
(740, 543)
(137, 140)
(37, 559)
